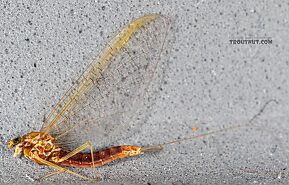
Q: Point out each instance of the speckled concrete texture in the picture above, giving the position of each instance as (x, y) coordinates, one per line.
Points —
(208, 83)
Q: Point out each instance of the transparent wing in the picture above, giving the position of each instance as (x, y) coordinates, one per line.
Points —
(101, 106)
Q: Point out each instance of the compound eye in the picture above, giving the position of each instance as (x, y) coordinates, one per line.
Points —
(17, 140)
(13, 142)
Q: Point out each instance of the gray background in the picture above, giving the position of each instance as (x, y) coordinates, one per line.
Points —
(208, 83)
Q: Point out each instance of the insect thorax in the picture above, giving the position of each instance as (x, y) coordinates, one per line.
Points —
(37, 143)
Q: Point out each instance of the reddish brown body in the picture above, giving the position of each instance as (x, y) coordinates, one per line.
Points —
(84, 160)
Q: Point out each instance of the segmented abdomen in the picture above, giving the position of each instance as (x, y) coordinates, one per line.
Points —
(84, 160)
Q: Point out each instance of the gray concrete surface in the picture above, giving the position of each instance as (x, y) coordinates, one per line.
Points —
(208, 83)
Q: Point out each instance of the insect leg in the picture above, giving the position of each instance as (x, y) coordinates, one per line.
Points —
(61, 169)
(79, 149)
(49, 175)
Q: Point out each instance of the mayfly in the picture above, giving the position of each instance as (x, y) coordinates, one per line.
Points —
(109, 92)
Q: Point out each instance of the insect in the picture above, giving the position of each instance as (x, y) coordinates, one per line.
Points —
(117, 80)
(108, 93)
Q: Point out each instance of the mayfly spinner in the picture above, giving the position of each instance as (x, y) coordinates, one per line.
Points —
(108, 92)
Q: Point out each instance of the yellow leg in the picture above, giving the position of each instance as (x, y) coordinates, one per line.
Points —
(79, 149)
(61, 169)
(49, 175)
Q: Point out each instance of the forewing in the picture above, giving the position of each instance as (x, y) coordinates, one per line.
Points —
(102, 106)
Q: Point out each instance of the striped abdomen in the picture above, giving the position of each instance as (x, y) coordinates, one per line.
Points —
(84, 160)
